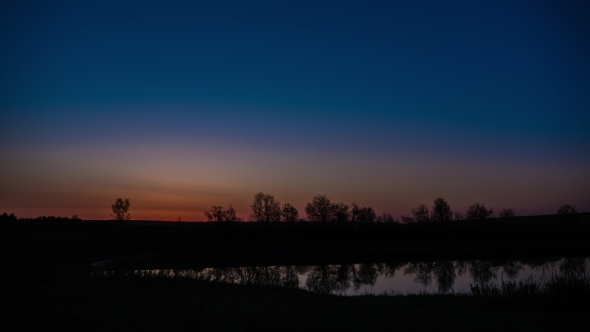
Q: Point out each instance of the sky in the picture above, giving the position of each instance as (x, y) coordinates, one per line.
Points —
(181, 105)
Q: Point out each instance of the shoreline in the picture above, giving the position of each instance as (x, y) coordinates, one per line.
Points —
(269, 257)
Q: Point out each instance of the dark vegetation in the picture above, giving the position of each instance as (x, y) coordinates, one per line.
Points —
(121, 209)
(47, 269)
(332, 232)
(82, 301)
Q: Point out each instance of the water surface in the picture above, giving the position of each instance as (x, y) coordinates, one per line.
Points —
(397, 277)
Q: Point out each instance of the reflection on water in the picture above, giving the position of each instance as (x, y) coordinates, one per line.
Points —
(376, 278)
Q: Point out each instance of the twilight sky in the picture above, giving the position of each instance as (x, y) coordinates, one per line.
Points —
(183, 105)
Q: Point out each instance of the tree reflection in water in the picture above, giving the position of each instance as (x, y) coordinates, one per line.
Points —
(350, 278)
(573, 265)
(422, 270)
(512, 268)
(283, 276)
(324, 279)
(366, 274)
(390, 268)
(482, 271)
(445, 275)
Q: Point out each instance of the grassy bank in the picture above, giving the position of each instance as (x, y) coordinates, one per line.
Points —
(123, 301)
(46, 243)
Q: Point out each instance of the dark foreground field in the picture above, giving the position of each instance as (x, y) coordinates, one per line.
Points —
(78, 301)
(66, 243)
(47, 280)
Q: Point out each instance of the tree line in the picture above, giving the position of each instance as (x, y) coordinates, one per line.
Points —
(12, 217)
(265, 208)
(440, 211)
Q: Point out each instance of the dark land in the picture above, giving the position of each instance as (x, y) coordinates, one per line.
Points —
(47, 242)
(48, 275)
(66, 301)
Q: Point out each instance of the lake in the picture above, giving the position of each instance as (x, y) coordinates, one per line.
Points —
(389, 277)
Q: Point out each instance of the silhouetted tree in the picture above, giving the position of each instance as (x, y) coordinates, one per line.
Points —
(75, 217)
(6, 217)
(341, 213)
(289, 213)
(386, 218)
(265, 208)
(408, 220)
(506, 213)
(230, 214)
(459, 216)
(441, 211)
(567, 209)
(364, 214)
(218, 213)
(320, 209)
(477, 211)
(421, 213)
(121, 209)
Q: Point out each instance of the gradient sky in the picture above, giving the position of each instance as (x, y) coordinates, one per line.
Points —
(183, 105)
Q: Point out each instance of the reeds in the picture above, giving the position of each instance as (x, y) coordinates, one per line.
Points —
(555, 284)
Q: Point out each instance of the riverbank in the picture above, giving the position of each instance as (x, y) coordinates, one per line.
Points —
(42, 264)
(39, 244)
(74, 301)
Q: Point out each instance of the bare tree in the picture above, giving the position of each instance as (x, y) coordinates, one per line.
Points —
(441, 211)
(230, 214)
(215, 213)
(421, 213)
(265, 208)
(218, 213)
(506, 213)
(121, 209)
(386, 218)
(459, 216)
(364, 214)
(320, 209)
(289, 213)
(567, 209)
(480, 212)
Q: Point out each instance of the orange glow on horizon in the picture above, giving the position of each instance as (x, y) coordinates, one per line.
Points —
(164, 184)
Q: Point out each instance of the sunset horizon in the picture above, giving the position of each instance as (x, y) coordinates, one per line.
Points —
(183, 106)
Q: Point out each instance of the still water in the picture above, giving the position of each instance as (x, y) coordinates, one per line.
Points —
(399, 277)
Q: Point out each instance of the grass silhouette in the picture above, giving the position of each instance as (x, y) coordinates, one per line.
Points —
(152, 302)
